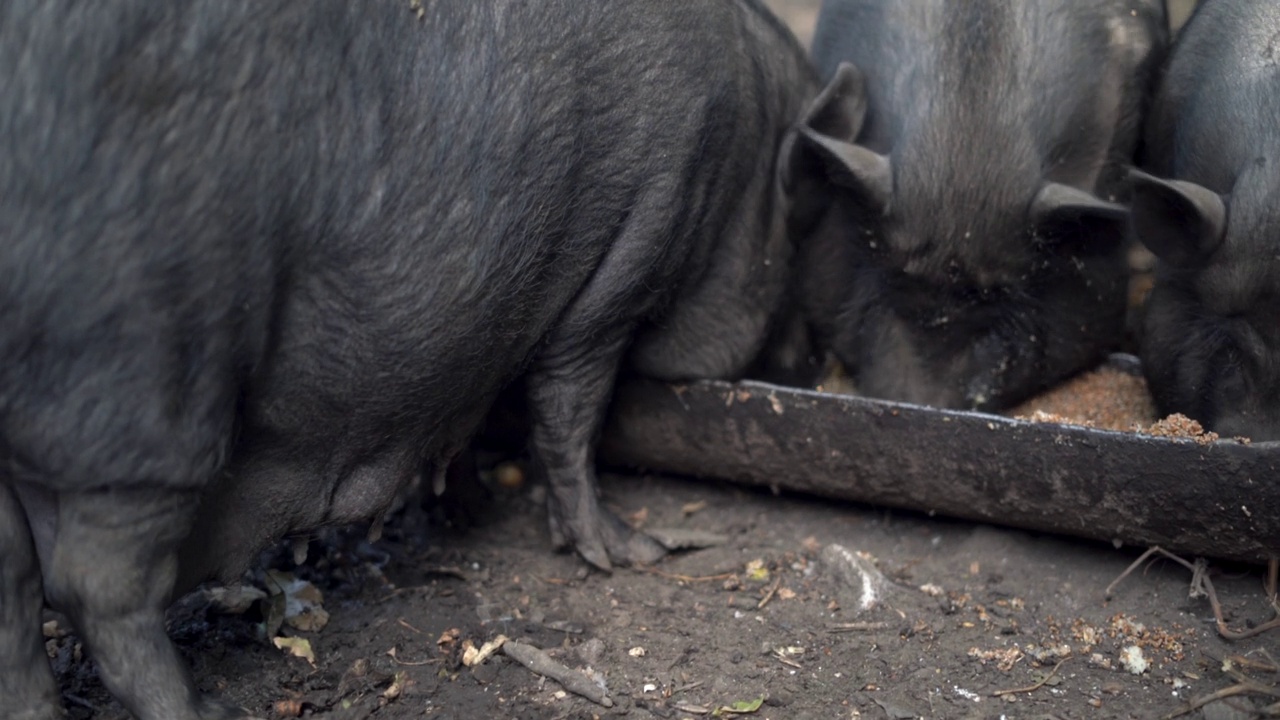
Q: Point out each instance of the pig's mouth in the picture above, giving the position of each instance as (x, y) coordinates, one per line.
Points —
(989, 375)
(904, 366)
(983, 390)
(994, 382)
(1255, 426)
(967, 351)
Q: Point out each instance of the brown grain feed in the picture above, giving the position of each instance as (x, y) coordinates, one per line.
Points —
(1105, 398)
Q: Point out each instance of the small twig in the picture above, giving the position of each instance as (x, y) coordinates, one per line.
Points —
(405, 623)
(684, 578)
(1200, 585)
(448, 571)
(1153, 550)
(1245, 687)
(541, 663)
(550, 581)
(773, 589)
(858, 626)
(1263, 652)
(1227, 632)
(787, 661)
(1245, 663)
(398, 661)
(1032, 688)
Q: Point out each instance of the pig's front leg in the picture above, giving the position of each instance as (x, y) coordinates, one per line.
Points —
(27, 688)
(112, 571)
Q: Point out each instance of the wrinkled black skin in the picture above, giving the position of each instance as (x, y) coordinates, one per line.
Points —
(1211, 333)
(952, 296)
(265, 263)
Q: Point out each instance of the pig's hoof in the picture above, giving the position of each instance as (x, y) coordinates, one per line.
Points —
(643, 550)
(592, 549)
(626, 546)
(605, 541)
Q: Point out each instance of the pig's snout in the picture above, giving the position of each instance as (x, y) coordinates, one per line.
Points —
(989, 366)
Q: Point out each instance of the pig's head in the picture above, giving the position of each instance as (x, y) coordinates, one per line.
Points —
(964, 281)
(1211, 331)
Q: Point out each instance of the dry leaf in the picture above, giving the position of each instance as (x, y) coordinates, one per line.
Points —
(303, 602)
(297, 647)
(472, 656)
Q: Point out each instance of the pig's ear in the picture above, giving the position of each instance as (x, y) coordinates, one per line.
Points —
(840, 108)
(821, 145)
(867, 174)
(1181, 222)
(1060, 211)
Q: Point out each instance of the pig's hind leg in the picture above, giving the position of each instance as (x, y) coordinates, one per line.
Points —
(570, 384)
(569, 390)
(112, 571)
(27, 688)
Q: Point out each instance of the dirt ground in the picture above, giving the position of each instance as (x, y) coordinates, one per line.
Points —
(966, 620)
(774, 613)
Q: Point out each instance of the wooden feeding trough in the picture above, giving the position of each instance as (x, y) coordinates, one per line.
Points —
(1217, 498)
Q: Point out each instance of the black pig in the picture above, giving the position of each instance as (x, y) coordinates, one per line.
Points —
(263, 263)
(1211, 331)
(973, 254)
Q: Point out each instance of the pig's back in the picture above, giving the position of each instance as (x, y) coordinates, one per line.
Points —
(1216, 109)
(333, 219)
(998, 69)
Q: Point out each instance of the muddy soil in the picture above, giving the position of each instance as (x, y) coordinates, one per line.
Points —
(960, 620)
(775, 613)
